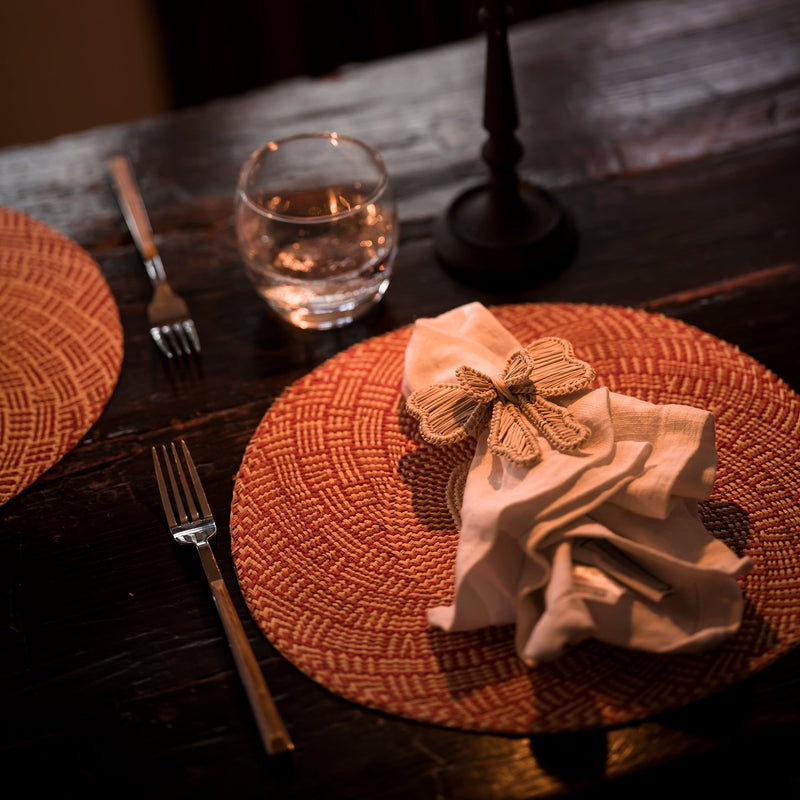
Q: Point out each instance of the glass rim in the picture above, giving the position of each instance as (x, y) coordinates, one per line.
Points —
(274, 144)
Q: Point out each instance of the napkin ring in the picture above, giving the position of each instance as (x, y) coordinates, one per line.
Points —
(518, 405)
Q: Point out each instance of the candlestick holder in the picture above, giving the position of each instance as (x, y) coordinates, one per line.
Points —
(505, 231)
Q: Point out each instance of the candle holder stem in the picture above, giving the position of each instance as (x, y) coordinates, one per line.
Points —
(506, 229)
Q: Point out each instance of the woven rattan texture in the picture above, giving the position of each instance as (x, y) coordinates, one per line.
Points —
(342, 538)
(60, 348)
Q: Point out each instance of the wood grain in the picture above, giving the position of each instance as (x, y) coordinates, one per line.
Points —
(672, 132)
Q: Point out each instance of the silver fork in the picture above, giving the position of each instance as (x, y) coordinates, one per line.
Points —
(171, 327)
(190, 526)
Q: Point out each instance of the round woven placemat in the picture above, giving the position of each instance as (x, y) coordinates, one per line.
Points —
(342, 539)
(60, 348)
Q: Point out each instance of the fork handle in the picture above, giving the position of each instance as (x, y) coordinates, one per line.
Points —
(133, 211)
(274, 735)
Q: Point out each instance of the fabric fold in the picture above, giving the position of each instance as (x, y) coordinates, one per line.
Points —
(600, 540)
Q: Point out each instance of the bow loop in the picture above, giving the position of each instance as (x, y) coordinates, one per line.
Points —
(517, 403)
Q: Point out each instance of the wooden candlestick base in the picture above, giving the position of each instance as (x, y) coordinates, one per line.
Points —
(496, 244)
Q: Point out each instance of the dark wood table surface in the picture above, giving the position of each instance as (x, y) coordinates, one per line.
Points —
(672, 132)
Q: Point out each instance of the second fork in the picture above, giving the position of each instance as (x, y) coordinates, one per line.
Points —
(171, 327)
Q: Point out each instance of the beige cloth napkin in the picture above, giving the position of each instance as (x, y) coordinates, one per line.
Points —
(603, 541)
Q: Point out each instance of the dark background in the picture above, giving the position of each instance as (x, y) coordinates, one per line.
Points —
(67, 67)
(225, 48)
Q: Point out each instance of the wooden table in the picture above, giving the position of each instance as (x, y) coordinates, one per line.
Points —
(672, 132)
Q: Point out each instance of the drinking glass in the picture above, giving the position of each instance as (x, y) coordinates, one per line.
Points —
(316, 224)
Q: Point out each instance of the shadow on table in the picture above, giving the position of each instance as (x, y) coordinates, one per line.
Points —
(278, 347)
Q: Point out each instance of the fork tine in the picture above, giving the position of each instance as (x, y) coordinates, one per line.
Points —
(176, 493)
(187, 492)
(171, 340)
(162, 490)
(180, 336)
(191, 331)
(198, 486)
(163, 346)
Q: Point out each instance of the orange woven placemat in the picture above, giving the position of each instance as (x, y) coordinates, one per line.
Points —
(60, 348)
(342, 539)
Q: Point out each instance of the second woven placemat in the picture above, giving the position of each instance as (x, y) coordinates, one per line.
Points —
(60, 347)
(342, 539)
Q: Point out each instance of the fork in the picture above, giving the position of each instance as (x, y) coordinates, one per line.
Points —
(189, 526)
(171, 327)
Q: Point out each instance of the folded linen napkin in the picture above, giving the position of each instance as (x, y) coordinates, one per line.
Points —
(578, 512)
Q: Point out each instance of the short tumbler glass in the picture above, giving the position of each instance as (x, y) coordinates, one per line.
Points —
(316, 223)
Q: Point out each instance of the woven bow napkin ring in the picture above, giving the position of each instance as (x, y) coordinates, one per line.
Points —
(517, 405)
